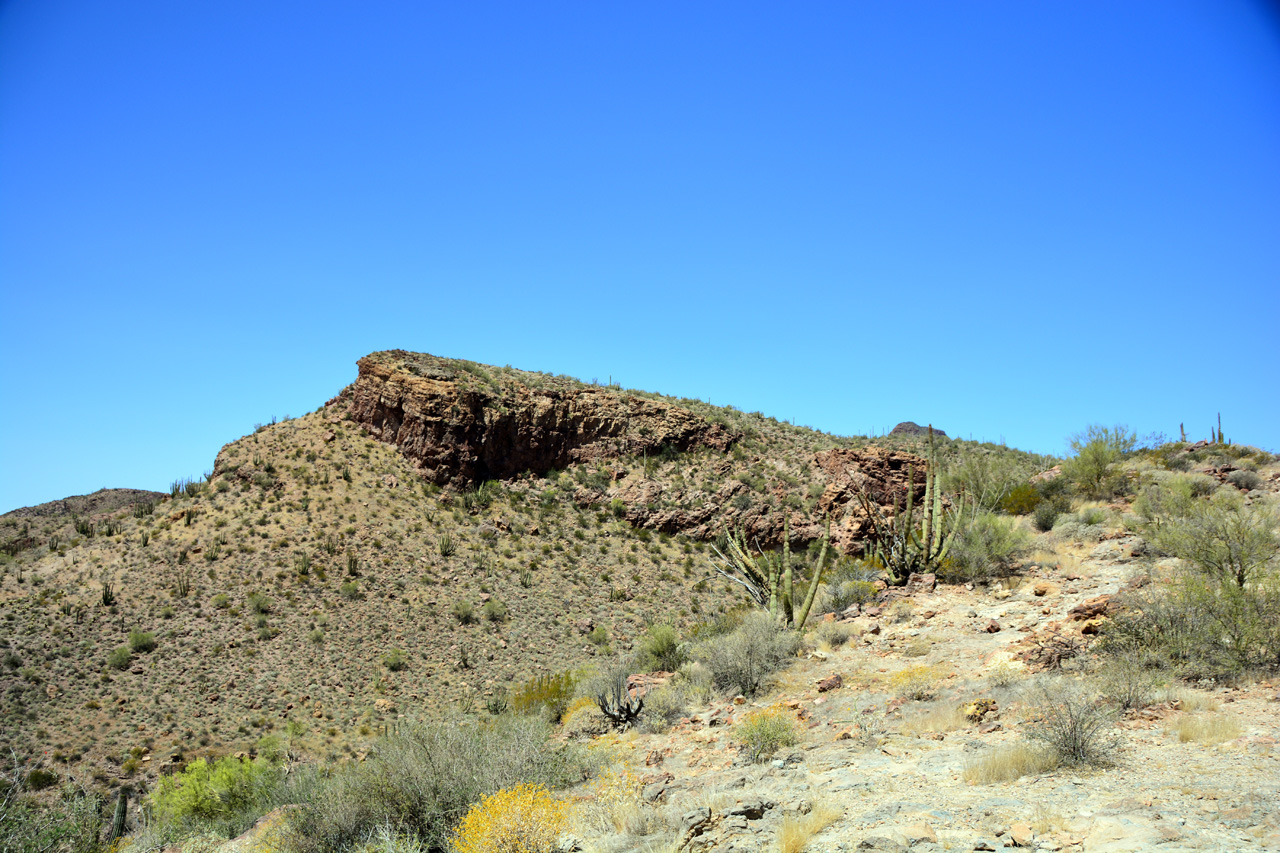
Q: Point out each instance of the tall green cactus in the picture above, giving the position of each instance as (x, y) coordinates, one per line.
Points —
(769, 579)
(118, 818)
(902, 544)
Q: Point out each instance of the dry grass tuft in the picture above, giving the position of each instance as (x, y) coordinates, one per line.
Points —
(796, 832)
(1216, 728)
(1185, 699)
(936, 717)
(1006, 763)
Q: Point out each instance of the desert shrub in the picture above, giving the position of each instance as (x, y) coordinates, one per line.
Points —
(1197, 626)
(849, 581)
(142, 641)
(1126, 683)
(259, 603)
(395, 660)
(548, 694)
(1021, 499)
(987, 477)
(494, 610)
(1096, 449)
(120, 657)
(764, 732)
(1244, 480)
(916, 682)
(1070, 527)
(226, 796)
(70, 822)
(221, 602)
(660, 649)
(349, 590)
(1074, 728)
(840, 595)
(1225, 537)
(834, 634)
(1046, 516)
(523, 819)
(464, 611)
(423, 781)
(664, 706)
(986, 544)
(742, 660)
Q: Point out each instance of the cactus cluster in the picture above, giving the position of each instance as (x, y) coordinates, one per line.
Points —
(911, 540)
(768, 578)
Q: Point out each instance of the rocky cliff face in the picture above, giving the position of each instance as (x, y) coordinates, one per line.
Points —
(461, 427)
(459, 424)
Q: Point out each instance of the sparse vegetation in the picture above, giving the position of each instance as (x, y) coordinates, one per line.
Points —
(764, 732)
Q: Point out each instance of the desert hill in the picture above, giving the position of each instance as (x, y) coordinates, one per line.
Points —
(433, 535)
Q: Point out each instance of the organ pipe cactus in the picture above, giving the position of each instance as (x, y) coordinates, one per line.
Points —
(906, 542)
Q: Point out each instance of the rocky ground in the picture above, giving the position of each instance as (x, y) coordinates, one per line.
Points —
(894, 785)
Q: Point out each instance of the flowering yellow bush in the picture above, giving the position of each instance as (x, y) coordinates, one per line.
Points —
(523, 819)
(916, 682)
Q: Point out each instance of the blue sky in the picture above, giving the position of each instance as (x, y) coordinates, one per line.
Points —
(1011, 219)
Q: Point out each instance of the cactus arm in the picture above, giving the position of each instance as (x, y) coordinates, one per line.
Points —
(815, 581)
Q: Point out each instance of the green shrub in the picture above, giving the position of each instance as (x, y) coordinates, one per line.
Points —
(1244, 480)
(349, 590)
(494, 610)
(259, 603)
(986, 544)
(227, 795)
(421, 782)
(549, 694)
(1096, 449)
(742, 660)
(1046, 516)
(660, 649)
(71, 822)
(395, 660)
(464, 611)
(142, 641)
(120, 658)
(1224, 537)
(987, 477)
(764, 732)
(1200, 626)
(1021, 499)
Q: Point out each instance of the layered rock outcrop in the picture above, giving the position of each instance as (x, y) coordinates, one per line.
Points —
(460, 429)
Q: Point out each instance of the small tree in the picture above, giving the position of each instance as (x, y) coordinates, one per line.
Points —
(1096, 449)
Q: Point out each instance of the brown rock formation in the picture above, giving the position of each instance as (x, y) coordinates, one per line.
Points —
(458, 428)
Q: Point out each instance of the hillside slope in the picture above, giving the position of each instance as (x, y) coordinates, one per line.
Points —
(437, 533)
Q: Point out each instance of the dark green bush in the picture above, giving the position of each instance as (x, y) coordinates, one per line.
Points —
(395, 660)
(1021, 499)
(119, 658)
(660, 649)
(142, 641)
(1046, 516)
(494, 610)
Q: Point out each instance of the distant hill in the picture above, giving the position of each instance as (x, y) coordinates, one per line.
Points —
(101, 501)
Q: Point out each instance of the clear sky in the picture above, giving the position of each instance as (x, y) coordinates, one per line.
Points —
(1011, 219)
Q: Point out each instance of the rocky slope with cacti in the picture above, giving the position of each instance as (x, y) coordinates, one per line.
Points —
(436, 533)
